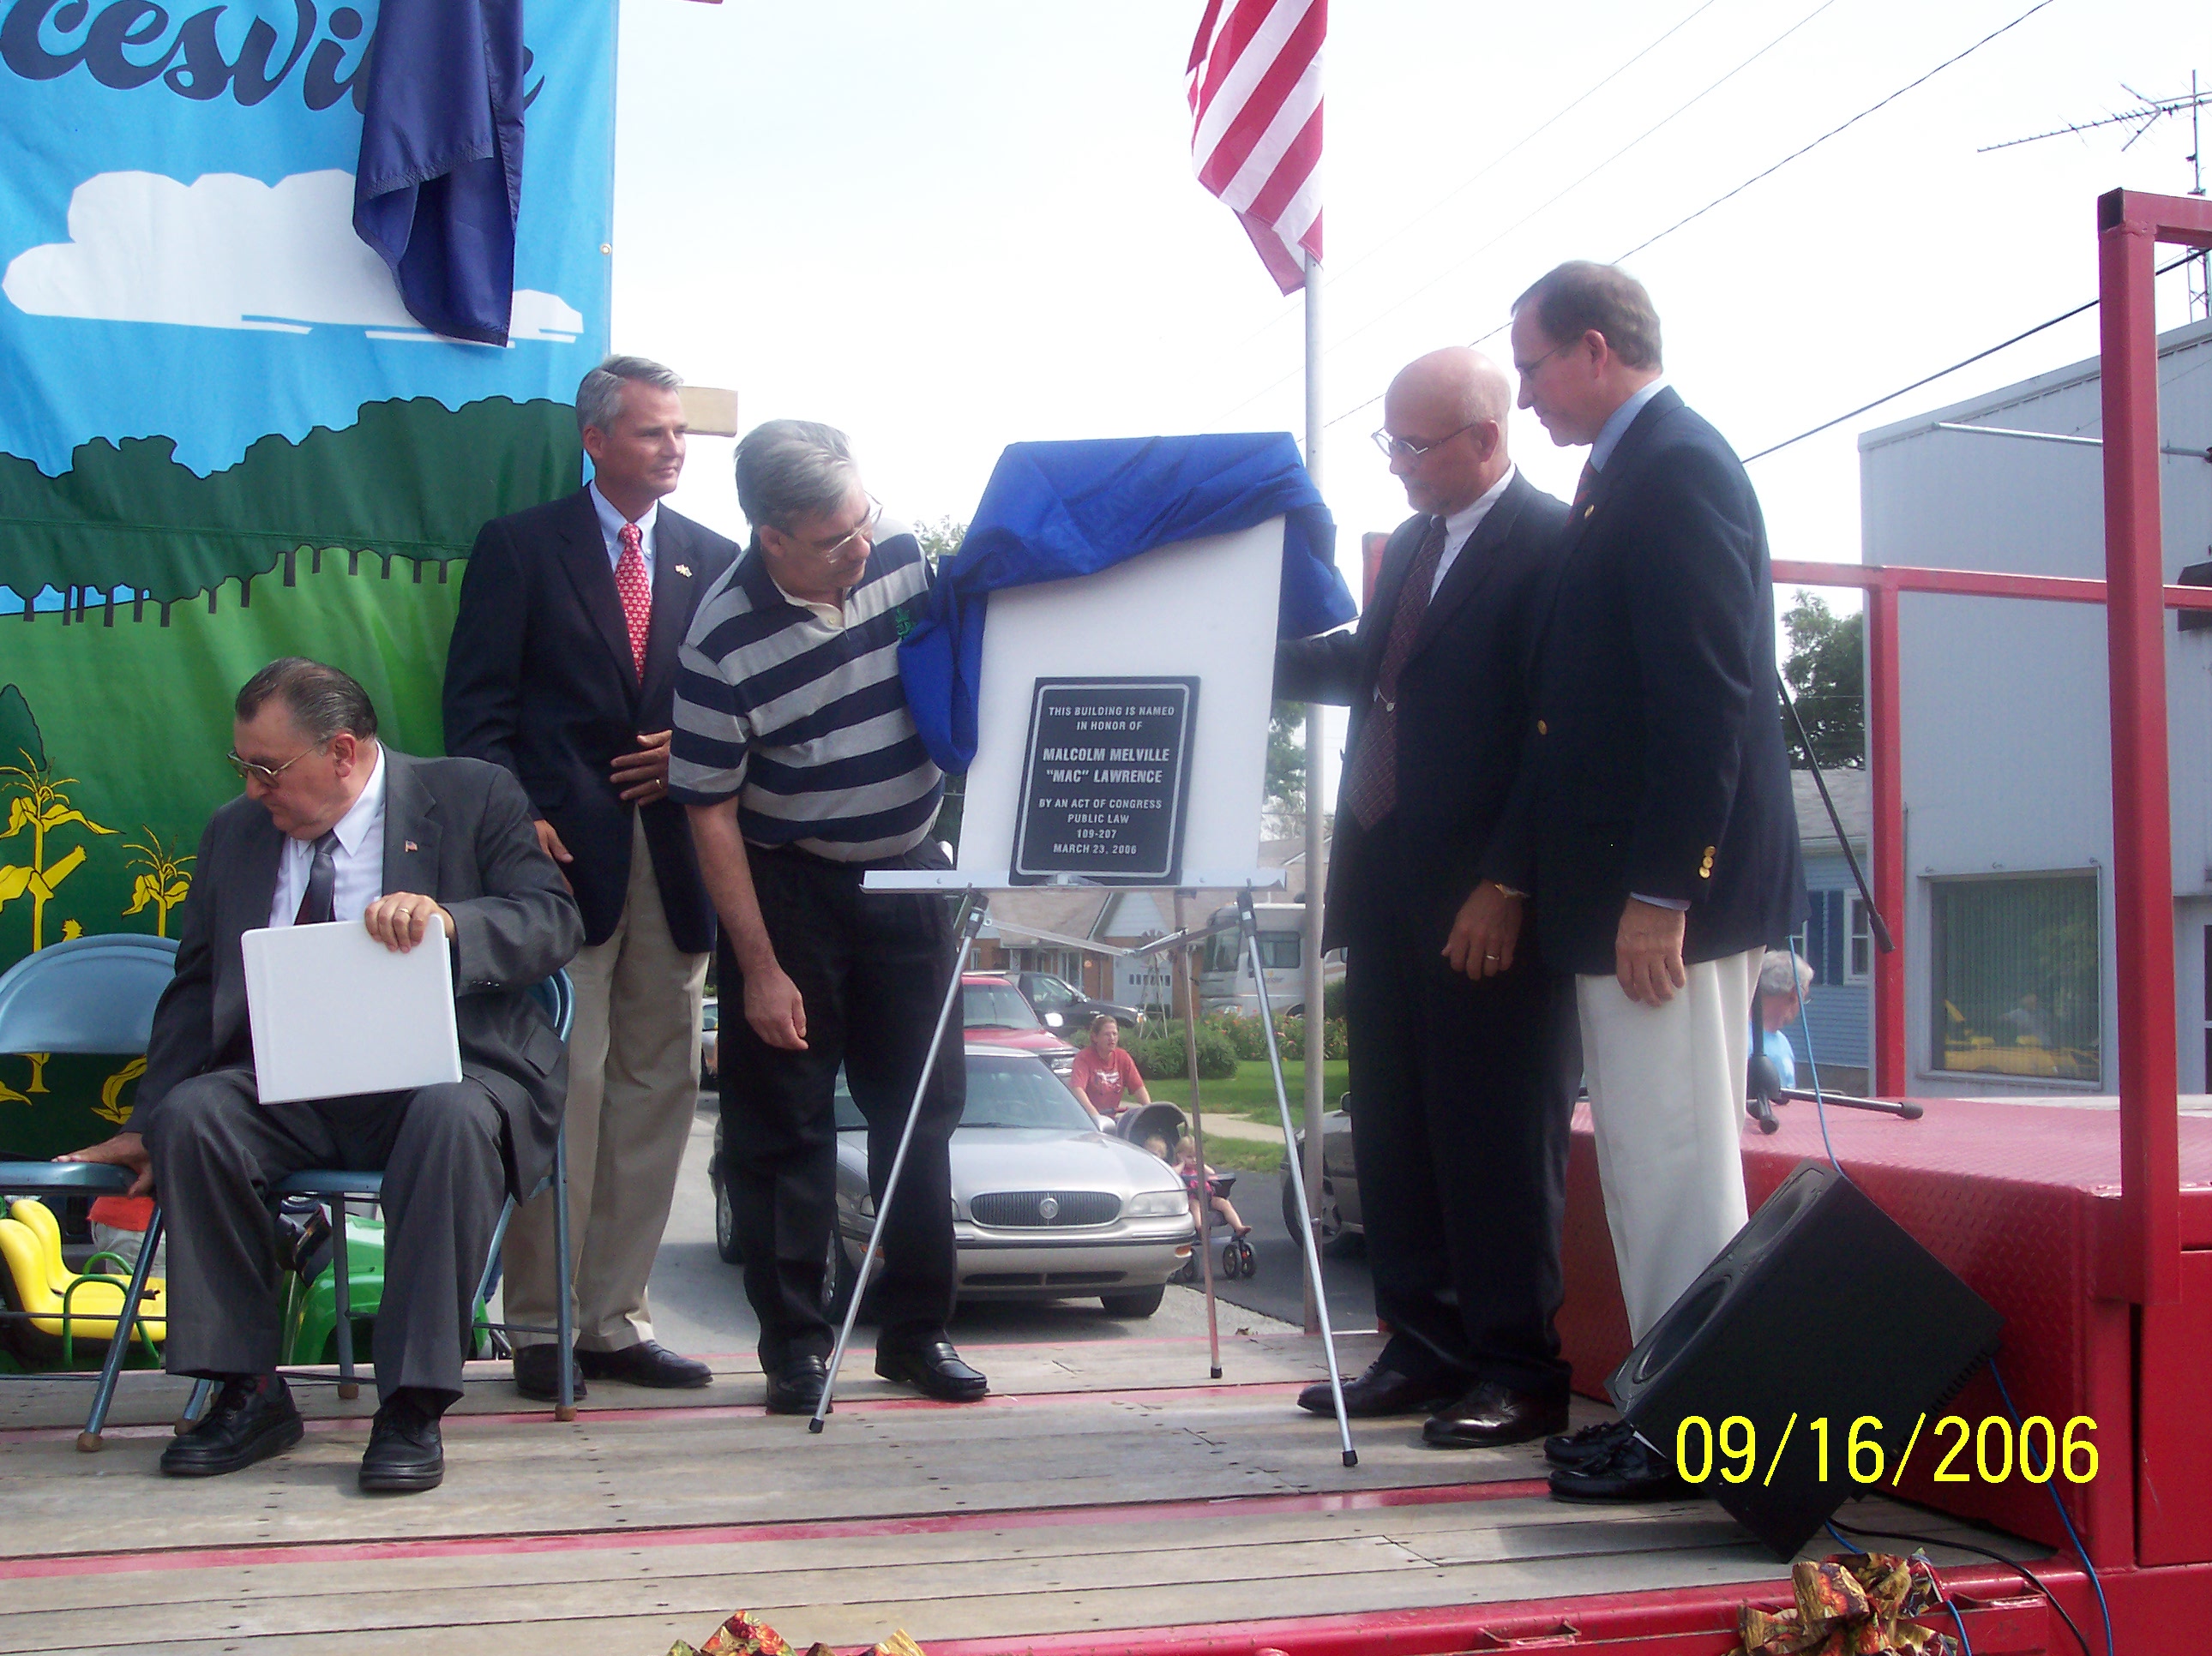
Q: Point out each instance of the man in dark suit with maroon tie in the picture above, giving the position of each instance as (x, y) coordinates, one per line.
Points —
(1463, 1056)
(563, 669)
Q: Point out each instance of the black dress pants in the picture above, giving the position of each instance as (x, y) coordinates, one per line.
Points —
(1462, 1095)
(216, 1150)
(872, 969)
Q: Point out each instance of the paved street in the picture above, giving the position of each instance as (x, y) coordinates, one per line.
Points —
(699, 1303)
(1278, 1289)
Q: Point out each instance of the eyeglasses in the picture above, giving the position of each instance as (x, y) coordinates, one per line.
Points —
(863, 531)
(1399, 448)
(248, 769)
(1528, 370)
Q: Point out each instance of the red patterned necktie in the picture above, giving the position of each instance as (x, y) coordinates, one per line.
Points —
(636, 593)
(1372, 791)
(1584, 484)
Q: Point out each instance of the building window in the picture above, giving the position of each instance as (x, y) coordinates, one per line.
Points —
(1858, 960)
(2016, 976)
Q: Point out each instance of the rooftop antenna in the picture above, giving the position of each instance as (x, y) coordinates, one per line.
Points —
(2148, 112)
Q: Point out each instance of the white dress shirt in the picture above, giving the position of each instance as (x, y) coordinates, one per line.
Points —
(1461, 524)
(611, 528)
(358, 856)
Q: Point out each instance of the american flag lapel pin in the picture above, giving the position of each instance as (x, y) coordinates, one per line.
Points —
(411, 845)
(684, 570)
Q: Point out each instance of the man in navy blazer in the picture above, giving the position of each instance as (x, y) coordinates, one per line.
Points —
(1655, 826)
(1463, 1059)
(563, 669)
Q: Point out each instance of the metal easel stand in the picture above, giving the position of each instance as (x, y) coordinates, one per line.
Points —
(1248, 924)
(976, 905)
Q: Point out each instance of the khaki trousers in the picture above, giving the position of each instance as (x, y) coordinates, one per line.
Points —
(1667, 1090)
(633, 1089)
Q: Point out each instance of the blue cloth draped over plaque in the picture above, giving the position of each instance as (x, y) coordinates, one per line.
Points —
(439, 182)
(1054, 510)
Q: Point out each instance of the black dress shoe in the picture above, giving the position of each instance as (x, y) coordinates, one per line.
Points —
(1492, 1415)
(1587, 1443)
(247, 1421)
(405, 1453)
(1631, 1471)
(535, 1376)
(1380, 1392)
(646, 1363)
(934, 1369)
(795, 1388)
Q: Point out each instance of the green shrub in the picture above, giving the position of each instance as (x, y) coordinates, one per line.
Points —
(1247, 1036)
(1160, 1055)
(1332, 1000)
(1290, 1039)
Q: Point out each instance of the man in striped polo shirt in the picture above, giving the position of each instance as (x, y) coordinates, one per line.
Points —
(798, 762)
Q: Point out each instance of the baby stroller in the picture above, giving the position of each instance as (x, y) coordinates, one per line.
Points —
(1168, 1124)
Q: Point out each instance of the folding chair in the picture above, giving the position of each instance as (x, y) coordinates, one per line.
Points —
(332, 1187)
(89, 995)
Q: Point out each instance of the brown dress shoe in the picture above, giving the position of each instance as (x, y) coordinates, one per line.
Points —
(1490, 1416)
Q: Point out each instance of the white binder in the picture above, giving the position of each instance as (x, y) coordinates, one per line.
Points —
(335, 1013)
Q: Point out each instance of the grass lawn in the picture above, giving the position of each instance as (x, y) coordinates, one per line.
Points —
(1251, 1092)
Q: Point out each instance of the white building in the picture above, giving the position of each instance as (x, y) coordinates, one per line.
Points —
(2007, 741)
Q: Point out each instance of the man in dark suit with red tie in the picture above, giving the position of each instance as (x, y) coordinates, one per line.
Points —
(563, 669)
(1462, 1054)
(1655, 827)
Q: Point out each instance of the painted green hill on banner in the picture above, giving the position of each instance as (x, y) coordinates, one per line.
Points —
(413, 479)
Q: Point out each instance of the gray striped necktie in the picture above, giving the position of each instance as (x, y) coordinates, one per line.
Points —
(320, 902)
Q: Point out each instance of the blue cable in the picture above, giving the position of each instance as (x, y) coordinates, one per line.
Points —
(1966, 1643)
(1813, 1065)
(2051, 1490)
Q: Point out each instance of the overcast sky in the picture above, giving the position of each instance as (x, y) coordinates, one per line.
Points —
(952, 226)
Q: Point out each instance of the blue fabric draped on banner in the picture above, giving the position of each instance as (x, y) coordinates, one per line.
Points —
(439, 182)
(1054, 510)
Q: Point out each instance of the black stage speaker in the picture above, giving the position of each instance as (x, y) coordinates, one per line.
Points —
(1823, 1309)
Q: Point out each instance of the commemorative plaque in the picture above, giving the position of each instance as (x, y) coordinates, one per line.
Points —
(1105, 781)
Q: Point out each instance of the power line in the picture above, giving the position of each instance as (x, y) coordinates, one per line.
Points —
(1930, 379)
(1553, 200)
(1846, 126)
(1504, 156)
(1492, 165)
(1768, 172)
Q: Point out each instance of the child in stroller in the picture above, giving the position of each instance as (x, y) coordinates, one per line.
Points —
(1238, 1258)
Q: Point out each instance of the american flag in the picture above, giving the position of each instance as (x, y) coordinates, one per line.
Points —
(1254, 77)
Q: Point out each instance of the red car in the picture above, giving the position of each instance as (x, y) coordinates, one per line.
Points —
(993, 1013)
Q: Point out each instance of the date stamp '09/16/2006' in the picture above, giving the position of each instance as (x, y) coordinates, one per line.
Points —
(2037, 1452)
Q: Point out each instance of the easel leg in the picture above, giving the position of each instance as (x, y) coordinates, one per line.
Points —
(1205, 1201)
(971, 922)
(1250, 926)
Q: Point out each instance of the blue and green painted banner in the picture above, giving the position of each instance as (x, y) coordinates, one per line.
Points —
(223, 439)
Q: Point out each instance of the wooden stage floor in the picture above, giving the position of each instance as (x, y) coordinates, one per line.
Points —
(1100, 1487)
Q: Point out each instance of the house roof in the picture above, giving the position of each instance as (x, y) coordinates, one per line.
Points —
(1852, 792)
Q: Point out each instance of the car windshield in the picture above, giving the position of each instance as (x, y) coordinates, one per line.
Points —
(995, 1006)
(1019, 1092)
(1048, 990)
(1002, 1092)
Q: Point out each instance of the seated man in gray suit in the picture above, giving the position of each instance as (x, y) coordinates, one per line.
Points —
(334, 826)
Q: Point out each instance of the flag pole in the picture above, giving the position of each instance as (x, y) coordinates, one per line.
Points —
(1316, 882)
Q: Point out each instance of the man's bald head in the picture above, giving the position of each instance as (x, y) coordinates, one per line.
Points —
(1451, 405)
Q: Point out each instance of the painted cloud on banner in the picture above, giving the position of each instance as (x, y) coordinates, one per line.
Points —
(227, 251)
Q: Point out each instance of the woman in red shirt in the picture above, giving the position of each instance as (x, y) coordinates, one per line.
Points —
(1105, 1076)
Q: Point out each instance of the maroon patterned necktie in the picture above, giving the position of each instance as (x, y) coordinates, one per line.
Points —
(1372, 790)
(636, 593)
(1584, 485)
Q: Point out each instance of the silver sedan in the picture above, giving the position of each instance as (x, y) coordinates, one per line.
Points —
(1045, 1204)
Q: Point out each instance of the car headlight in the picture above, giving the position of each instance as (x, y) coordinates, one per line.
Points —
(1155, 1204)
(1061, 1066)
